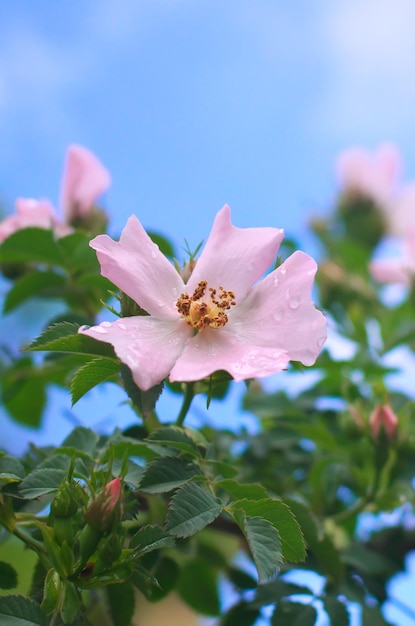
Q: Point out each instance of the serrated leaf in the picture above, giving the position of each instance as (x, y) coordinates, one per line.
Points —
(264, 543)
(32, 245)
(41, 482)
(11, 469)
(93, 373)
(337, 611)
(176, 438)
(8, 576)
(20, 611)
(76, 251)
(81, 439)
(64, 337)
(121, 603)
(293, 614)
(238, 491)
(283, 520)
(144, 401)
(151, 538)
(167, 473)
(34, 283)
(191, 509)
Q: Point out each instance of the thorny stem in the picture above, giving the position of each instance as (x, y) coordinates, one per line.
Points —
(187, 401)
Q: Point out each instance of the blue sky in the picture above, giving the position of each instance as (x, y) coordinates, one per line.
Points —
(194, 103)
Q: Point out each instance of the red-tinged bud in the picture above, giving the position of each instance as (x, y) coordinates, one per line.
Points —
(107, 508)
(383, 419)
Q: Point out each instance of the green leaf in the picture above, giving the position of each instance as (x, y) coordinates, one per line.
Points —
(272, 592)
(150, 538)
(64, 337)
(77, 253)
(238, 491)
(191, 509)
(337, 611)
(121, 603)
(71, 602)
(160, 582)
(100, 370)
(20, 611)
(165, 245)
(41, 482)
(11, 470)
(8, 576)
(81, 439)
(23, 392)
(372, 616)
(176, 438)
(283, 520)
(167, 473)
(33, 283)
(241, 614)
(293, 614)
(264, 543)
(144, 401)
(198, 587)
(32, 245)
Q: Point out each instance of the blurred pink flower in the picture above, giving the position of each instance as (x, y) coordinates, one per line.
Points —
(84, 180)
(383, 418)
(400, 270)
(371, 174)
(222, 318)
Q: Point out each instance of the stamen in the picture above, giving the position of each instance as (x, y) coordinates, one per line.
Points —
(203, 309)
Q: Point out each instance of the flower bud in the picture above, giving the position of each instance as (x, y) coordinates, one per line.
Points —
(383, 419)
(107, 508)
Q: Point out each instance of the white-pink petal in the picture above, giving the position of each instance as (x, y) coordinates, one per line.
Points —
(149, 347)
(136, 266)
(213, 350)
(279, 312)
(235, 258)
(84, 180)
(370, 173)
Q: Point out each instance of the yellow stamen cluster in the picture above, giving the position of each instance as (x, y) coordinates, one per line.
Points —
(206, 307)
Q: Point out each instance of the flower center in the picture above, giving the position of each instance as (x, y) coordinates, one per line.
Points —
(206, 307)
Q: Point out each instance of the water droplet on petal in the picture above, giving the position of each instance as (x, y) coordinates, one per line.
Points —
(84, 327)
(276, 281)
(320, 341)
(294, 302)
(100, 330)
(153, 254)
(283, 270)
(122, 326)
(277, 316)
(106, 324)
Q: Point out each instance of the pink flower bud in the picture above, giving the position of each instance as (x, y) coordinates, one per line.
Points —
(107, 508)
(383, 418)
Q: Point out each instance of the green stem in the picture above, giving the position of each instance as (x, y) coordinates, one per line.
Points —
(187, 401)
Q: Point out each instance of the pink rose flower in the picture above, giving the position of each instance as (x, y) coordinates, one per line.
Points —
(400, 270)
(223, 318)
(371, 174)
(383, 418)
(84, 180)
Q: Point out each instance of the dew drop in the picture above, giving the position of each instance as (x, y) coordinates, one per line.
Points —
(153, 254)
(283, 270)
(276, 281)
(320, 341)
(294, 302)
(106, 324)
(277, 316)
(100, 330)
(84, 327)
(122, 326)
